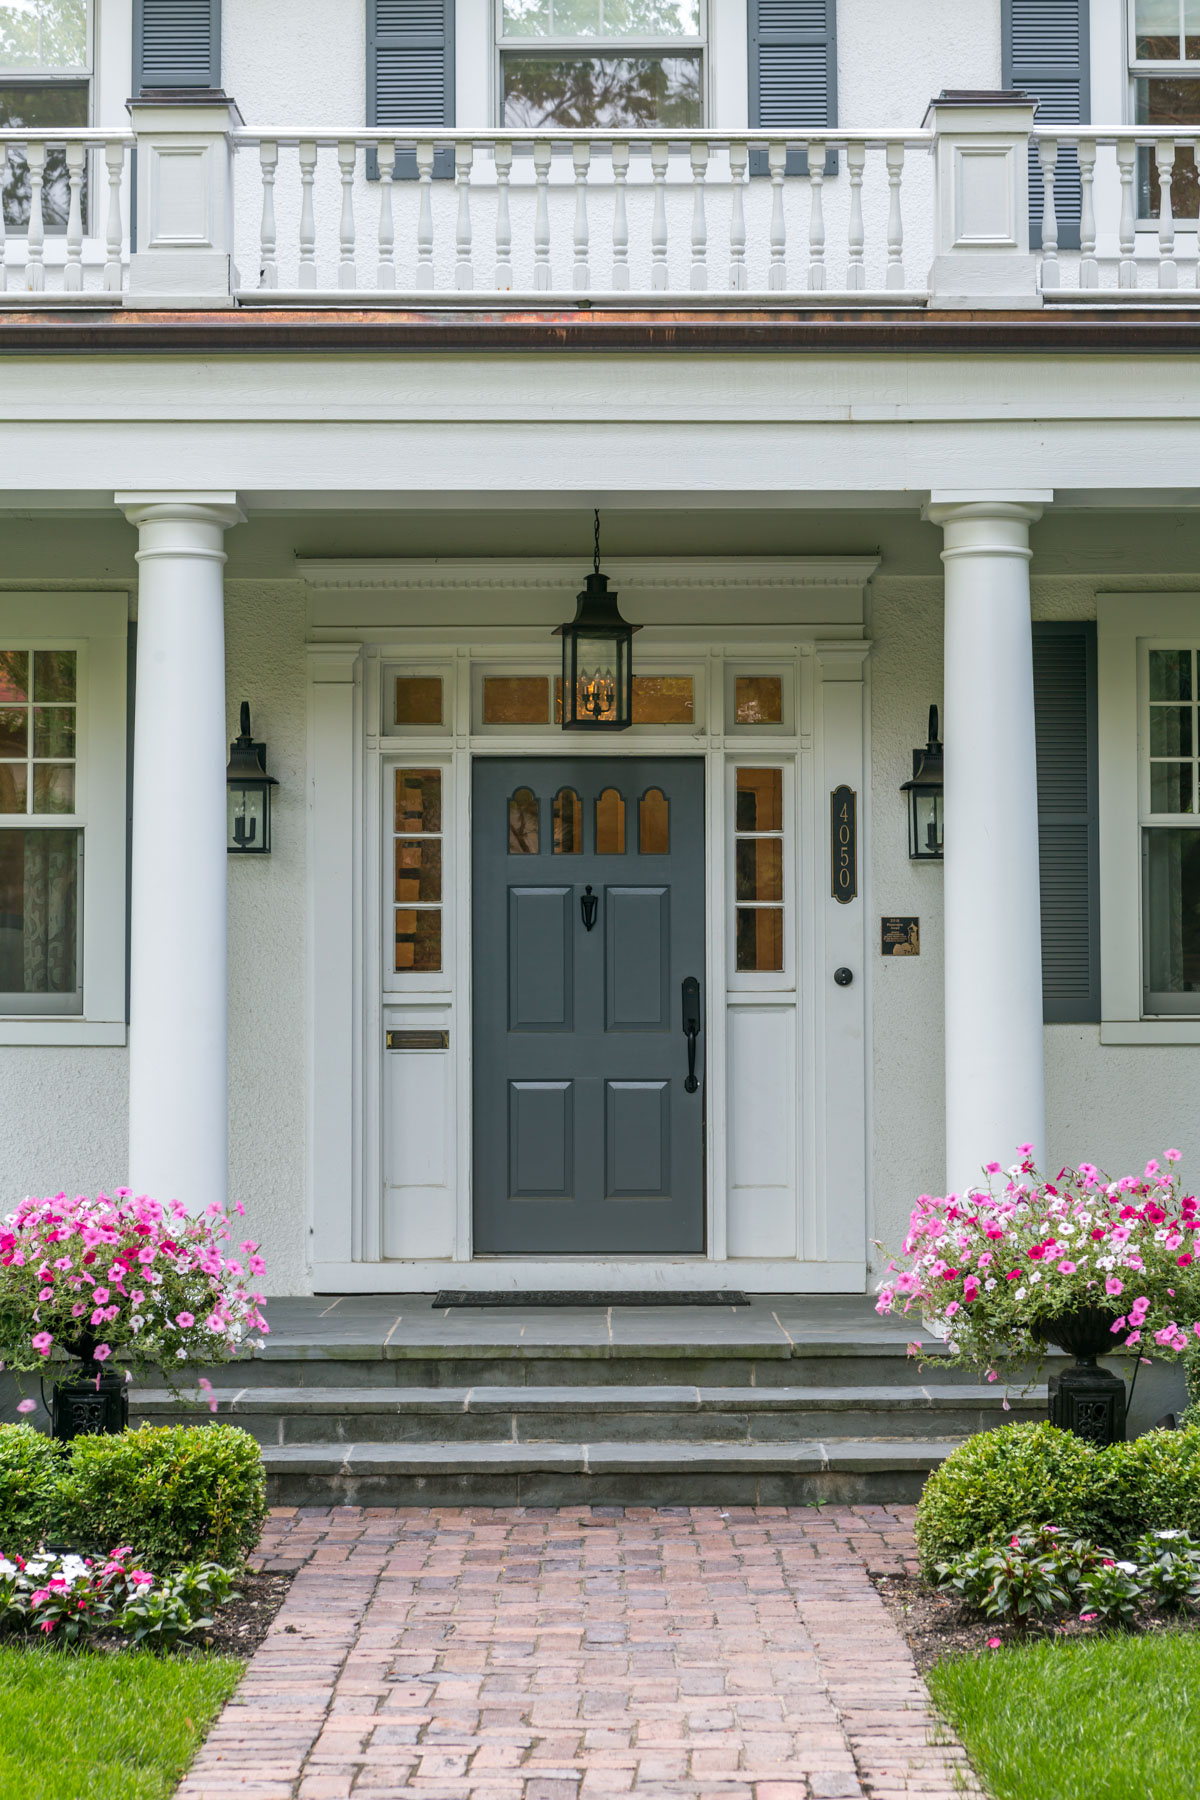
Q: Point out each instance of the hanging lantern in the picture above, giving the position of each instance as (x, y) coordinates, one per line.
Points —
(597, 669)
(925, 798)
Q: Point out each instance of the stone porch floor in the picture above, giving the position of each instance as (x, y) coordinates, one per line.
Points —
(581, 1652)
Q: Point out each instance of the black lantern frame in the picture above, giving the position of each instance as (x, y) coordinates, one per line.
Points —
(248, 789)
(925, 798)
(597, 665)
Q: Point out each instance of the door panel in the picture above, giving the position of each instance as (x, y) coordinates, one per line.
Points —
(585, 1138)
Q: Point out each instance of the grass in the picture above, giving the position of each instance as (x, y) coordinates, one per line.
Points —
(98, 1727)
(1109, 1718)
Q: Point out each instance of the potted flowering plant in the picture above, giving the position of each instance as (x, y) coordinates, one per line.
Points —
(125, 1284)
(1081, 1261)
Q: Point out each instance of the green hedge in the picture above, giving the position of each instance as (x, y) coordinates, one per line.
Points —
(176, 1494)
(1036, 1475)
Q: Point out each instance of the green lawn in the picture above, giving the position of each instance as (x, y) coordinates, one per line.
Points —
(1112, 1718)
(96, 1727)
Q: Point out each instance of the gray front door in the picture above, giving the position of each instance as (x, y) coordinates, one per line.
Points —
(588, 918)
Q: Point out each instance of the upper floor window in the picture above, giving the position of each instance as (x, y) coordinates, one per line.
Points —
(45, 67)
(590, 64)
(1166, 94)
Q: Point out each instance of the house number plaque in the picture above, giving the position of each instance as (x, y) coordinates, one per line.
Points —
(843, 822)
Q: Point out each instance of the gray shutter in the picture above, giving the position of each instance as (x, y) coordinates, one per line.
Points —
(410, 74)
(793, 71)
(176, 44)
(1046, 55)
(1064, 701)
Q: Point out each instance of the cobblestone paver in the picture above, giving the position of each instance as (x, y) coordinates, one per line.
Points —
(580, 1654)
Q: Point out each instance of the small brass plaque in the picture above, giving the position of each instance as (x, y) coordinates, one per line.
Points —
(418, 1040)
(900, 937)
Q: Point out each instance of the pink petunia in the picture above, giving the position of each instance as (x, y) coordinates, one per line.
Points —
(185, 1319)
(102, 1352)
(1113, 1286)
(41, 1341)
(26, 1405)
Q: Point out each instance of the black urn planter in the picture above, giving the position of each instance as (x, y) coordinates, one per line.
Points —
(1085, 1399)
(94, 1402)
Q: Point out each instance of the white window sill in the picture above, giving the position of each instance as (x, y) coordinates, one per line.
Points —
(60, 1032)
(1150, 1031)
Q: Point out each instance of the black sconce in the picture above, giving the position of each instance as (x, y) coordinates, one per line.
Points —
(248, 790)
(925, 798)
(597, 669)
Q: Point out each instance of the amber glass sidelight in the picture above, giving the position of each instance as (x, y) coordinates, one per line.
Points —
(568, 823)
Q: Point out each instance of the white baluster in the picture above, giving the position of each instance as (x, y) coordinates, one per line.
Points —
(425, 216)
(1089, 268)
(581, 156)
(1164, 156)
(1048, 160)
(659, 157)
(35, 269)
(347, 155)
(114, 162)
(895, 227)
(268, 268)
(502, 155)
(816, 222)
(620, 169)
(541, 223)
(73, 272)
(307, 277)
(777, 163)
(464, 268)
(738, 157)
(3, 242)
(1127, 231)
(699, 160)
(856, 270)
(385, 275)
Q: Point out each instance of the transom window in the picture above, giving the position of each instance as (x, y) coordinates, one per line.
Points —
(40, 854)
(588, 64)
(45, 68)
(1171, 832)
(1166, 92)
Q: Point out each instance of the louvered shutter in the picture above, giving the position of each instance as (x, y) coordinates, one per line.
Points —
(410, 74)
(1046, 55)
(176, 44)
(1064, 700)
(793, 71)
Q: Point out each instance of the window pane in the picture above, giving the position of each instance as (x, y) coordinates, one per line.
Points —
(1173, 102)
(760, 800)
(418, 939)
(663, 700)
(1171, 787)
(14, 731)
(759, 939)
(516, 699)
(39, 921)
(654, 823)
(418, 700)
(759, 869)
(596, 92)
(54, 731)
(523, 823)
(568, 823)
(14, 787)
(54, 674)
(1170, 674)
(1156, 30)
(610, 824)
(53, 788)
(1170, 731)
(48, 105)
(418, 800)
(1191, 29)
(602, 18)
(758, 699)
(14, 675)
(1172, 863)
(418, 869)
(43, 34)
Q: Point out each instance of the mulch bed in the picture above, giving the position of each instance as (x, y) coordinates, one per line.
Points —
(938, 1625)
(240, 1626)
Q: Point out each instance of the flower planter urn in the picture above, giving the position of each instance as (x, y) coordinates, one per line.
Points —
(95, 1401)
(1085, 1399)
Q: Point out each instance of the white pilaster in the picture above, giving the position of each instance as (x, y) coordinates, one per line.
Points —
(178, 1058)
(995, 1086)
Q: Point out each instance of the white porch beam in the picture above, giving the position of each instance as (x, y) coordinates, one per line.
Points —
(178, 1056)
(995, 1081)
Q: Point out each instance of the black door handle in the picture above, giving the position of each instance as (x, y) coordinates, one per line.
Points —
(691, 1029)
(588, 902)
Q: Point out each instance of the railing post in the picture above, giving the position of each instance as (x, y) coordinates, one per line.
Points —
(347, 155)
(1164, 158)
(981, 198)
(1048, 160)
(1089, 268)
(856, 273)
(581, 157)
(184, 200)
(699, 158)
(659, 159)
(268, 268)
(464, 268)
(895, 228)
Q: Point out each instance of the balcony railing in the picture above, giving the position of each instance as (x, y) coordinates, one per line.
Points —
(980, 205)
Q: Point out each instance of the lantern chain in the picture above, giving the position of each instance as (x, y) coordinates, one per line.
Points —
(596, 544)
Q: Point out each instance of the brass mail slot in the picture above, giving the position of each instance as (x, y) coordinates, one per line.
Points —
(418, 1040)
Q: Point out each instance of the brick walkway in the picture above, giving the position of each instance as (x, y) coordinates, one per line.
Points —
(573, 1654)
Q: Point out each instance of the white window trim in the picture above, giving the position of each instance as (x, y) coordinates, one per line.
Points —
(1123, 623)
(98, 624)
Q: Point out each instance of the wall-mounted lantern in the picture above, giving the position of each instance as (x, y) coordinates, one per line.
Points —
(248, 791)
(925, 798)
(597, 670)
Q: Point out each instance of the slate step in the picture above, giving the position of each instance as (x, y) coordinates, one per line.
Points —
(680, 1413)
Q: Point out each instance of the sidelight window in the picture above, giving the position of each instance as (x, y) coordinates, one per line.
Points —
(1171, 832)
(758, 871)
(417, 871)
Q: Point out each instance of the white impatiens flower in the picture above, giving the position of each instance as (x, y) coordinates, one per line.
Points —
(1168, 1534)
(1127, 1568)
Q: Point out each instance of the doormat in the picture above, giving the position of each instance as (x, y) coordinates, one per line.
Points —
(593, 1297)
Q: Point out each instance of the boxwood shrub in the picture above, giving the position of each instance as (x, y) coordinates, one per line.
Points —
(30, 1467)
(176, 1494)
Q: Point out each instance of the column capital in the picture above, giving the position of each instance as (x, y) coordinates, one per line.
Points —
(185, 504)
(986, 525)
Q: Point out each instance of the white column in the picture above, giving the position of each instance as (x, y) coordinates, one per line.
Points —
(178, 1068)
(995, 1087)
